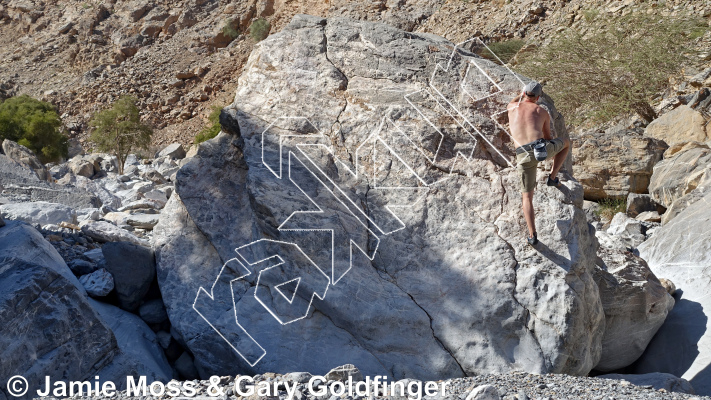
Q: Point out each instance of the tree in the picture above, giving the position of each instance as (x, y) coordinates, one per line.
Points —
(612, 66)
(35, 125)
(118, 130)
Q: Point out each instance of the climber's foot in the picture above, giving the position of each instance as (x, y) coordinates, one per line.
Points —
(533, 240)
(553, 182)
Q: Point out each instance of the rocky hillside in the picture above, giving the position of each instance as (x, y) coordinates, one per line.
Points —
(180, 58)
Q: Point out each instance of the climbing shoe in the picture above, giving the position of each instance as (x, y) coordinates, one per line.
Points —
(553, 182)
(534, 239)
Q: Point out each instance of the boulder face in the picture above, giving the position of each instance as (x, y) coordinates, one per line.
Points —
(140, 353)
(683, 169)
(615, 164)
(21, 241)
(681, 252)
(65, 338)
(399, 226)
(133, 269)
(682, 124)
(635, 303)
(25, 156)
(41, 302)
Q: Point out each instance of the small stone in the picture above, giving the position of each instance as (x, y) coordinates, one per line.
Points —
(82, 267)
(95, 255)
(343, 372)
(98, 284)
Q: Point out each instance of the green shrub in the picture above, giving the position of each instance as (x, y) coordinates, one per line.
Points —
(612, 66)
(698, 30)
(259, 29)
(611, 206)
(211, 130)
(35, 125)
(505, 50)
(118, 130)
(229, 30)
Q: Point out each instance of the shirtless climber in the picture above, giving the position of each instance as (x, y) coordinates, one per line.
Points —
(529, 123)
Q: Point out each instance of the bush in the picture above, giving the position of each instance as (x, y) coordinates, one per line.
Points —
(611, 206)
(35, 125)
(211, 130)
(505, 50)
(229, 30)
(118, 130)
(615, 68)
(259, 29)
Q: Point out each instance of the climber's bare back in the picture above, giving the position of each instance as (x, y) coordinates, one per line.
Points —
(528, 122)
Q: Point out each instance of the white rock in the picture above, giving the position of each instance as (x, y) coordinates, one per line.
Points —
(484, 392)
(143, 187)
(143, 221)
(681, 252)
(627, 229)
(635, 303)
(103, 231)
(158, 196)
(649, 216)
(144, 204)
(175, 151)
(41, 213)
(84, 214)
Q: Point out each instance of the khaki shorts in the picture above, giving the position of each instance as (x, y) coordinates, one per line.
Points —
(526, 164)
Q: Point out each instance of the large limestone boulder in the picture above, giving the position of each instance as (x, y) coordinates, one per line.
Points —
(635, 303)
(13, 172)
(614, 164)
(25, 156)
(448, 286)
(681, 252)
(20, 240)
(64, 334)
(681, 171)
(680, 204)
(683, 124)
(49, 328)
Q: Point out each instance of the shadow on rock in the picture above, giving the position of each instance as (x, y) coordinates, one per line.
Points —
(675, 346)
